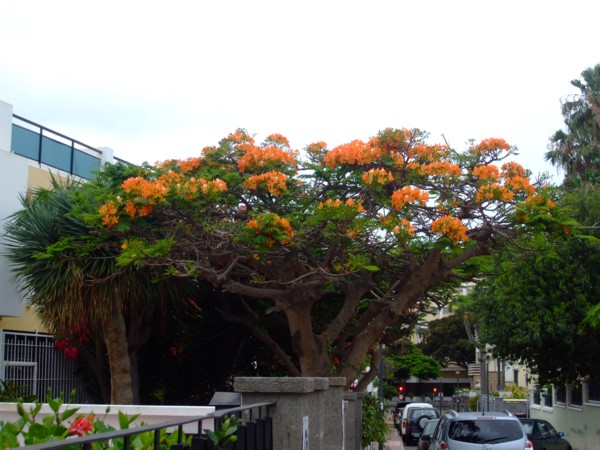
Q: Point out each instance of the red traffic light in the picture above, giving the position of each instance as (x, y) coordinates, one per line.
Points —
(400, 388)
(434, 390)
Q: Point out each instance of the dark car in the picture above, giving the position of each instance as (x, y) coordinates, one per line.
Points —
(397, 413)
(544, 436)
(425, 439)
(414, 419)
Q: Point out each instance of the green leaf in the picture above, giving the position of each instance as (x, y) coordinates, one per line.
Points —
(371, 268)
(55, 404)
(68, 413)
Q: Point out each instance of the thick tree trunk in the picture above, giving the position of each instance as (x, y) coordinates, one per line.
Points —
(310, 349)
(115, 336)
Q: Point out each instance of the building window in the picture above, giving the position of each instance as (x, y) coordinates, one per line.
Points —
(547, 396)
(593, 391)
(561, 394)
(576, 395)
(516, 376)
(536, 396)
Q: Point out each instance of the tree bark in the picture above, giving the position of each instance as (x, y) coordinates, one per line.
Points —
(115, 336)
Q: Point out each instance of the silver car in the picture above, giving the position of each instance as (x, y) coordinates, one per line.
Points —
(481, 431)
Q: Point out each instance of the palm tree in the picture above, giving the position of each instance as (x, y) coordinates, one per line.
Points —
(577, 149)
(71, 278)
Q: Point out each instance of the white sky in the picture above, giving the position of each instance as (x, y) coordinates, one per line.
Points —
(159, 80)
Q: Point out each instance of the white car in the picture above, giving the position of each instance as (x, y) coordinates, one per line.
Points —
(414, 418)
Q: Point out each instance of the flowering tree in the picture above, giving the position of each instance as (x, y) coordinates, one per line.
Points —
(345, 243)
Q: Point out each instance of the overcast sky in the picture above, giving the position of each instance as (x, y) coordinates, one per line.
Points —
(160, 80)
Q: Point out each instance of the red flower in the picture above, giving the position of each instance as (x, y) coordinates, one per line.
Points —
(62, 344)
(81, 426)
(71, 353)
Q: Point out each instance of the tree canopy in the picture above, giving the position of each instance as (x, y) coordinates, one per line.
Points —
(343, 245)
(576, 149)
(370, 228)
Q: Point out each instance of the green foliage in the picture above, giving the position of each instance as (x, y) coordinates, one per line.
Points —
(10, 392)
(63, 423)
(473, 403)
(224, 434)
(374, 427)
(515, 390)
(576, 149)
(415, 364)
(446, 340)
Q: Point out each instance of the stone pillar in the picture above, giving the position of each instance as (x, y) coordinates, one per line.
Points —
(353, 420)
(311, 399)
(332, 414)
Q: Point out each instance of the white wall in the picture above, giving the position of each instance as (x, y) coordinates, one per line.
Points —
(581, 424)
(13, 181)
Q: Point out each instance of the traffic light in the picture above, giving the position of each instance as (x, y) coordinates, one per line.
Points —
(400, 389)
(434, 391)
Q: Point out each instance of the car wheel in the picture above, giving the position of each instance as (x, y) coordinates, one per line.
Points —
(422, 422)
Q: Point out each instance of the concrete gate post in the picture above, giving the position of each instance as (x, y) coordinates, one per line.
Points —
(312, 402)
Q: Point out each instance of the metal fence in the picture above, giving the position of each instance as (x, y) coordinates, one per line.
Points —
(32, 364)
(254, 433)
(54, 149)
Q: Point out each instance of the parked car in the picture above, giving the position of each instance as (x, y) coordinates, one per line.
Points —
(397, 414)
(414, 418)
(479, 430)
(425, 439)
(544, 436)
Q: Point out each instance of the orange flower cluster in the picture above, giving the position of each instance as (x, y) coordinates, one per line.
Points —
(490, 145)
(392, 140)
(513, 169)
(273, 182)
(533, 205)
(152, 191)
(256, 158)
(190, 164)
(356, 152)
(440, 169)
(519, 184)
(275, 228)
(337, 203)
(378, 176)
(109, 214)
(216, 185)
(241, 136)
(408, 194)
(316, 148)
(429, 152)
(493, 191)
(489, 172)
(404, 227)
(278, 139)
(451, 227)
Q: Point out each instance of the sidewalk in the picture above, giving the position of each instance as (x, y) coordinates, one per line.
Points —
(394, 441)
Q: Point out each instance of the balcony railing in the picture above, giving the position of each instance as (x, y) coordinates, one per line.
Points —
(255, 432)
(54, 149)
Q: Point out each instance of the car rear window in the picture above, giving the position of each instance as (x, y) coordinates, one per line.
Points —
(485, 431)
(415, 413)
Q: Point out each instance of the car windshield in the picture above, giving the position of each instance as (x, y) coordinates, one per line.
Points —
(483, 431)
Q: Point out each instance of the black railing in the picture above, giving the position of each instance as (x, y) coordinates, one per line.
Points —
(254, 433)
(56, 150)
